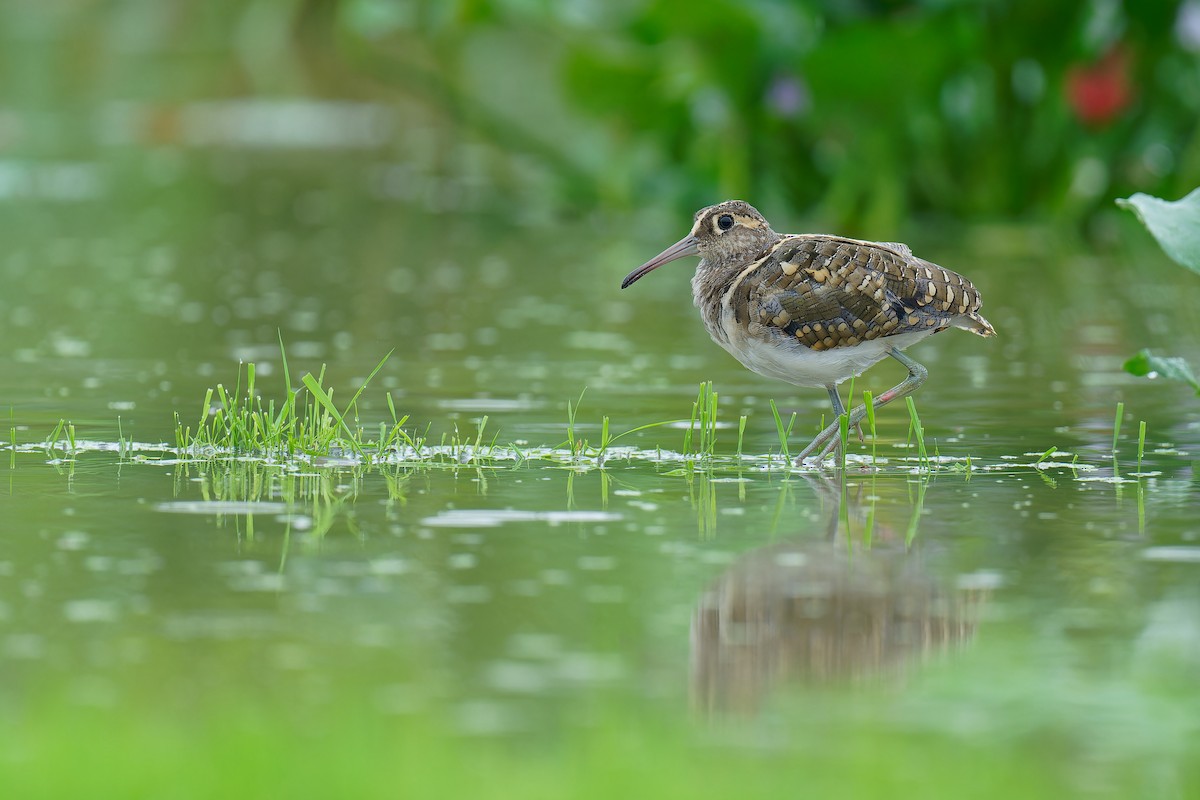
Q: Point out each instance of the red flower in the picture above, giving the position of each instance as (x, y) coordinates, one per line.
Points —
(1100, 91)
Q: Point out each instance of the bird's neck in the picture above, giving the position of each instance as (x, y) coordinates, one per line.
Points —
(717, 271)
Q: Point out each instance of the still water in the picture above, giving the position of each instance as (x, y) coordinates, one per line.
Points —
(850, 627)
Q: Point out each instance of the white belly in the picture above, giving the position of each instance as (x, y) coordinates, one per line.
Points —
(796, 364)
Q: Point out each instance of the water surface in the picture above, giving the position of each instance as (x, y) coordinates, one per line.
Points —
(1040, 624)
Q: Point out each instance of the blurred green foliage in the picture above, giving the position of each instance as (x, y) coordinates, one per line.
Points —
(859, 112)
(862, 111)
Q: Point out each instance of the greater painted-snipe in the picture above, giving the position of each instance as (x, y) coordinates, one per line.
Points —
(814, 310)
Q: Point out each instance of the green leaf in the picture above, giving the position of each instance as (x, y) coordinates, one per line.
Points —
(1176, 225)
(1146, 365)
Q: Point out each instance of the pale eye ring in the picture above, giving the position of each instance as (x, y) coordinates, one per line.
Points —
(725, 222)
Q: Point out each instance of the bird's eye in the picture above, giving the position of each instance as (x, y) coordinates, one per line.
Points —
(725, 222)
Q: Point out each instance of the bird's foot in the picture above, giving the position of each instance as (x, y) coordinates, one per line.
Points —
(821, 447)
(828, 441)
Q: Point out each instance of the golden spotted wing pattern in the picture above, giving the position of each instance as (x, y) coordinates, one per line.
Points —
(829, 292)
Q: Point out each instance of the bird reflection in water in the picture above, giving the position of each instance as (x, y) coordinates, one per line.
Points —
(821, 612)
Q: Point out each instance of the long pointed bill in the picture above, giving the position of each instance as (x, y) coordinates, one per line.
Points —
(687, 246)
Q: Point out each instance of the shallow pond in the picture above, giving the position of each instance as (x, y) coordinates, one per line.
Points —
(1024, 616)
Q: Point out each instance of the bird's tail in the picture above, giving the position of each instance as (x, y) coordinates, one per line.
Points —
(975, 323)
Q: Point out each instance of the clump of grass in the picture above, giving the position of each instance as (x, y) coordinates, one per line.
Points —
(844, 428)
(61, 438)
(240, 420)
(783, 431)
(395, 435)
(574, 443)
(463, 450)
(579, 447)
(700, 440)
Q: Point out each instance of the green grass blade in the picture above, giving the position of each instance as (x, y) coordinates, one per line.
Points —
(374, 372)
(326, 403)
(781, 431)
(1117, 425)
(1046, 455)
(869, 405)
(918, 430)
(1141, 443)
(844, 434)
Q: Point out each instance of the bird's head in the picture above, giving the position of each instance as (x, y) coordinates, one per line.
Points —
(733, 230)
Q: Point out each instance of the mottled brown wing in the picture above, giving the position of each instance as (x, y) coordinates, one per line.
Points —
(829, 292)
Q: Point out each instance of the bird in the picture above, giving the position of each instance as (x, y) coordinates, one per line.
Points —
(815, 309)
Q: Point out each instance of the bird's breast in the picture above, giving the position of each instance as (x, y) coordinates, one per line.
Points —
(709, 290)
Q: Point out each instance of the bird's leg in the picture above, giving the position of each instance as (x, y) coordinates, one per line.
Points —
(839, 410)
(828, 439)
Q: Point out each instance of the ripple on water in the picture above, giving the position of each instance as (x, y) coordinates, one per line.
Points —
(210, 507)
(23, 646)
(462, 561)
(1177, 554)
(520, 588)
(603, 594)
(90, 610)
(535, 645)
(490, 405)
(491, 518)
(468, 595)
(73, 540)
(266, 582)
(556, 577)
(597, 563)
(488, 718)
(519, 677)
(220, 627)
(389, 566)
(590, 668)
(402, 698)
